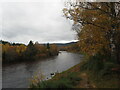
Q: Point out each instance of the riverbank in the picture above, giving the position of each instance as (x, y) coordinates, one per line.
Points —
(80, 79)
(90, 80)
(30, 60)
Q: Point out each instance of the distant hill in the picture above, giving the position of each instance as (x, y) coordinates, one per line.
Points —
(64, 44)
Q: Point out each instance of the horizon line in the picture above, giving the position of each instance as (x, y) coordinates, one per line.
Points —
(54, 42)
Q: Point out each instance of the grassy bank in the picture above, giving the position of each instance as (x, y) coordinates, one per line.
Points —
(78, 77)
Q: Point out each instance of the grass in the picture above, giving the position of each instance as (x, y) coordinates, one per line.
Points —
(108, 81)
(100, 73)
(92, 73)
(61, 81)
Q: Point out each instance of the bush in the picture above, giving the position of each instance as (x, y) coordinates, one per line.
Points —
(94, 63)
(99, 64)
(107, 68)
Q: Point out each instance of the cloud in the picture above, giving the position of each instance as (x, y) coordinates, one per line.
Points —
(38, 21)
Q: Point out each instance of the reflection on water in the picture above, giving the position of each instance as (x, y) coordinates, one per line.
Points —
(18, 75)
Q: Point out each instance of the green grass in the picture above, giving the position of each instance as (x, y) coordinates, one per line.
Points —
(64, 81)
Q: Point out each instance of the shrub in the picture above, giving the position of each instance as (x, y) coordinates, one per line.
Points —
(99, 64)
(94, 63)
(107, 68)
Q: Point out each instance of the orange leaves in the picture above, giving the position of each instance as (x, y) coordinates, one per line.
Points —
(17, 49)
(5, 47)
(20, 49)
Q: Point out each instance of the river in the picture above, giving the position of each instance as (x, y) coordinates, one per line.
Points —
(18, 75)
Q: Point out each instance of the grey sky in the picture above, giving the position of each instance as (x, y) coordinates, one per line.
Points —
(35, 20)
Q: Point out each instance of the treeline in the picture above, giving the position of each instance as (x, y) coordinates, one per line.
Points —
(12, 52)
(71, 48)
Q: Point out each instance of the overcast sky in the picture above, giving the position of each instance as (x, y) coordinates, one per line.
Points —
(40, 21)
(37, 20)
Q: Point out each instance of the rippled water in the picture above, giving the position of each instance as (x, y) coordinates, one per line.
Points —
(18, 75)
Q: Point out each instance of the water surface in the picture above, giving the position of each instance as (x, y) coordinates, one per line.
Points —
(18, 75)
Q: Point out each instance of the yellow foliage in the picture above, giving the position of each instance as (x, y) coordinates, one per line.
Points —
(96, 25)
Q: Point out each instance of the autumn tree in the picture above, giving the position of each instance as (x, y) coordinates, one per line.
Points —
(5, 48)
(30, 52)
(9, 53)
(20, 49)
(53, 49)
(41, 50)
(97, 25)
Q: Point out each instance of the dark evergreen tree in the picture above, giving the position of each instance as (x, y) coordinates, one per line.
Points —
(31, 51)
(48, 46)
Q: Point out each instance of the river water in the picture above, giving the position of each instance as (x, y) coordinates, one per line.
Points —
(19, 75)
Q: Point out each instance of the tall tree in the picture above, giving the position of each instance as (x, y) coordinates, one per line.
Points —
(97, 25)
